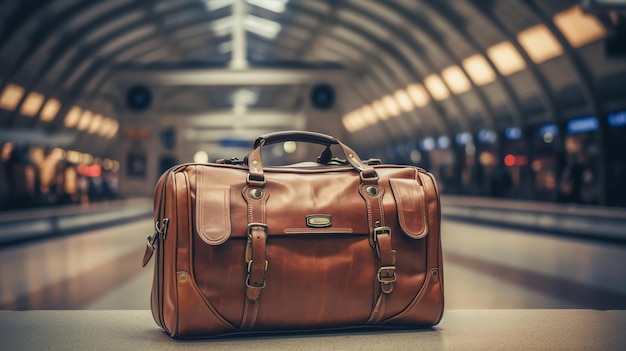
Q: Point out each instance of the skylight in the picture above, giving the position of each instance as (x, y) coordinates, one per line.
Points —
(277, 6)
(222, 26)
(262, 26)
(213, 5)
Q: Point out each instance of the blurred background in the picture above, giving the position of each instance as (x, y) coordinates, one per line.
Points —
(518, 107)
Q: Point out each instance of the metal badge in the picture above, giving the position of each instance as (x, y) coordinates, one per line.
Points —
(319, 221)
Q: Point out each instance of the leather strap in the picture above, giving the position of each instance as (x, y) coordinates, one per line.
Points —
(380, 240)
(255, 255)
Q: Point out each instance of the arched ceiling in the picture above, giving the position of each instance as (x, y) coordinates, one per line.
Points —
(411, 68)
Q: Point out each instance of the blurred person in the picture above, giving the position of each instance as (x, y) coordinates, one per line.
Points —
(570, 182)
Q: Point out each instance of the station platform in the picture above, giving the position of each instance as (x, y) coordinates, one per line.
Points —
(483, 330)
(506, 287)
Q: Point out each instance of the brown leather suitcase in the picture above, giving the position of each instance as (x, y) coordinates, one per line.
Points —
(240, 247)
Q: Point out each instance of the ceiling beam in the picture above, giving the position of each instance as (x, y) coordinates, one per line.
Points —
(246, 77)
(253, 118)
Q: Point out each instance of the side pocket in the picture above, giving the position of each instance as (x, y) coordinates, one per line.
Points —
(193, 320)
(426, 308)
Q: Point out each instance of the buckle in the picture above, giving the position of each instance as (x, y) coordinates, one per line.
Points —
(252, 226)
(250, 266)
(152, 239)
(249, 180)
(161, 226)
(381, 230)
(390, 274)
(372, 177)
(248, 276)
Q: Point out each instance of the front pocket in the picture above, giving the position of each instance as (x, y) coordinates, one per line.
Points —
(410, 201)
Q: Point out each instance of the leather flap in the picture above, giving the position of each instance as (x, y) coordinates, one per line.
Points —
(213, 212)
(410, 200)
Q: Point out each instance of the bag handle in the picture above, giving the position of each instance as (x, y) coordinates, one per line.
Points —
(255, 161)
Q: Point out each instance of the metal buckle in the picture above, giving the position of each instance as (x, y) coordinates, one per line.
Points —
(250, 266)
(152, 239)
(248, 180)
(162, 228)
(258, 225)
(387, 280)
(374, 177)
(381, 230)
(248, 276)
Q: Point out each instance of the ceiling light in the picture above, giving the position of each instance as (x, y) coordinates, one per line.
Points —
(380, 110)
(50, 110)
(506, 58)
(539, 43)
(32, 104)
(369, 115)
(479, 70)
(404, 101)
(114, 128)
(72, 117)
(201, 157)
(350, 123)
(391, 105)
(456, 79)
(290, 147)
(579, 28)
(436, 87)
(96, 123)
(11, 96)
(418, 94)
(7, 149)
(85, 120)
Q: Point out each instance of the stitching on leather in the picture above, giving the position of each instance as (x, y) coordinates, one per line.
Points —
(199, 201)
(322, 231)
(209, 305)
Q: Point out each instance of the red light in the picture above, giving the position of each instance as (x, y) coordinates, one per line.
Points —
(509, 160)
(82, 169)
(94, 171)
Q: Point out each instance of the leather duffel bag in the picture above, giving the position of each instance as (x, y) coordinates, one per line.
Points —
(240, 247)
